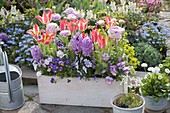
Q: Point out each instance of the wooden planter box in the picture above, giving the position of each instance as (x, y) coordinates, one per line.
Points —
(77, 92)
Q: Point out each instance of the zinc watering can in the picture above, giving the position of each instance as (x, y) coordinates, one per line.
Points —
(11, 88)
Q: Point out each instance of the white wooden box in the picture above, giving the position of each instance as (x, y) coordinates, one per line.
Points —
(77, 92)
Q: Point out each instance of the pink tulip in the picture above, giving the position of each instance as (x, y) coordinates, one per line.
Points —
(82, 24)
(72, 25)
(101, 41)
(46, 38)
(63, 24)
(94, 33)
(35, 32)
(46, 17)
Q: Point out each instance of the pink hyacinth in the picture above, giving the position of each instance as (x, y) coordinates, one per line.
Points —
(115, 32)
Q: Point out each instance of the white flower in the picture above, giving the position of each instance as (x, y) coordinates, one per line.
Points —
(46, 62)
(160, 65)
(80, 13)
(60, 54)
(13, 10)
(150, 68)
(54, 7)
(84, 69)
(35, 65)
(49, 69)
(101, 22)
(160, 77)
(121, 21)
(50, 59)
(168, 84)
(167, 71)
(77, 65)
(39, 73)
(157, 69)
(113, 20)
(89, 14)
(144, 65)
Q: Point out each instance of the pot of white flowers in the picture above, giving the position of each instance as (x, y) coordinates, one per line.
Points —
(127, 102)
(155, 89)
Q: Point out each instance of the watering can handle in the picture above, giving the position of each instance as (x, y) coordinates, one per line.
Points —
(1, 58)
(7, 74)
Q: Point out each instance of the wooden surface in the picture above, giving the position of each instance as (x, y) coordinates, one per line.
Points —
(77, 92)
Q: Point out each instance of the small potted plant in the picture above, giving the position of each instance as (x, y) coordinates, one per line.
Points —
(165, 67)
(155, 89)
(128, 102)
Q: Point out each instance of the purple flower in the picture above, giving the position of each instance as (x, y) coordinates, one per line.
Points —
(87, 63)
(105, 57)
(36, 53)
(9, 1)
(71, 17)
(109, 80)
(56, 17)
(65, 33)
(60, 68)
(52, 80)
(126, 69)
(120, 59)
(113, 70)
(61, 63)
(87, 46)
(67, 61)
(95, 78)
(121, 65)
(68, 80)
(52, 27)
(76, 14)
(77, 43)
(5, 11)
(69, 10)
(104, 71)
(54, 68)
(4, 37)
(115, 32)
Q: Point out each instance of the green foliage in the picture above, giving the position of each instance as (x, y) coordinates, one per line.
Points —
(81, 4)
(129, 100)
(145, 53)
(156, 85)
(166, 66)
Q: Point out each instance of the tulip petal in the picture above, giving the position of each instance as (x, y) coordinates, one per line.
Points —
(39, 18)
(30, 31)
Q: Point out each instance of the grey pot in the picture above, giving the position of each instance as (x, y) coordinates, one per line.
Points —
(156, 106)
(117, 109)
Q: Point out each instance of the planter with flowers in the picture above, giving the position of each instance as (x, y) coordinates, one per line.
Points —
(81, 61)
(129, 101)
(155, 89)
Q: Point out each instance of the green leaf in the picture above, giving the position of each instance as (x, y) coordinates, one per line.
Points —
(59, 6)
(38, 6)
(49, 4)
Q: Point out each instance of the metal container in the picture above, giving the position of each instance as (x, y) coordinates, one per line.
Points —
(11, 88)
(117, 109)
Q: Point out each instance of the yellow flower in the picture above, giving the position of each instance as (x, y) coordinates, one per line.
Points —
(134, 61)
